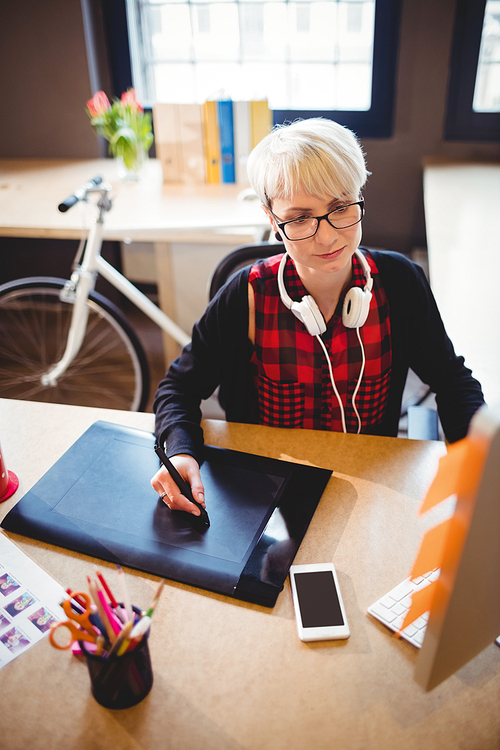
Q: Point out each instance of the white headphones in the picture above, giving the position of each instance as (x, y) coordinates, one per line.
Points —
(354, 314)
(354, 310)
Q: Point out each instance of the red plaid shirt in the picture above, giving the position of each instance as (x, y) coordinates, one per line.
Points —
(290, 369)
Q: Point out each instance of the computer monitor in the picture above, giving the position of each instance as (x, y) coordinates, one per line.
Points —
(465, 617)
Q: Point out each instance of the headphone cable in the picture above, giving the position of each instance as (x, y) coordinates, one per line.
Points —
(359, 381)
(332, 380)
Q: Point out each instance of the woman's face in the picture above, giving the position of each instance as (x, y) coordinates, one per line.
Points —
(330, 250)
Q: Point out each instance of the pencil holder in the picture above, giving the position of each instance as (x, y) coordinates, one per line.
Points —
(120, 681)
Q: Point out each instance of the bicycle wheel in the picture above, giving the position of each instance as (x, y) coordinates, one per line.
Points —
(110, 370)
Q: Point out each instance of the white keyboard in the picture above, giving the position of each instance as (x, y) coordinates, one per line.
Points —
(392, 608)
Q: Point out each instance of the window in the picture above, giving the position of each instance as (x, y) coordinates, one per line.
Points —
(487, 88)
(297, 54)
(474, 88)
(333, 58)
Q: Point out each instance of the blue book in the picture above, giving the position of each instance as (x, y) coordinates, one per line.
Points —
(226, 136)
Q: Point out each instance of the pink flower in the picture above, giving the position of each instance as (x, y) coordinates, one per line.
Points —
(98, 104)
(128, 98)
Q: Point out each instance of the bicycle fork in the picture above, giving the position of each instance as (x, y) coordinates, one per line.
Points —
(77, 291)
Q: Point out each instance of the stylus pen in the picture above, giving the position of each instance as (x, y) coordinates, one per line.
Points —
(181, 484)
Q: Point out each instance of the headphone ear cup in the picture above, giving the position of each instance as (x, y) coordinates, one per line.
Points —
(308, 312)
(356, 307)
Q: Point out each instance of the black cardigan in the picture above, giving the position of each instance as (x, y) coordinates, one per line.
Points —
(220, 352)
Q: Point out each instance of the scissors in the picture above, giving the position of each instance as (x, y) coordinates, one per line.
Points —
(79, 625)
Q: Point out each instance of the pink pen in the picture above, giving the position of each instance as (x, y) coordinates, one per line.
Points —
(109, 614)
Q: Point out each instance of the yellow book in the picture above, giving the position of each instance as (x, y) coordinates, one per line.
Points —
(261, 120)
(211, 141)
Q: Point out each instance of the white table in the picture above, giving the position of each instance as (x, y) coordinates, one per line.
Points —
(462, 213)
(147, 211)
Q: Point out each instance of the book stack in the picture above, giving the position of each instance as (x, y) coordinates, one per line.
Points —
(211, 142)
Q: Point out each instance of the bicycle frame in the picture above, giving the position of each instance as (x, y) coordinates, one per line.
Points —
(82, 283)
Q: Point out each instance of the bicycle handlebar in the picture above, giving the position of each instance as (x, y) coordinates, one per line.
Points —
(79, 194)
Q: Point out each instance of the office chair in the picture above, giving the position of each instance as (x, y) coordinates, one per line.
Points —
(239, 258)
(417, 421)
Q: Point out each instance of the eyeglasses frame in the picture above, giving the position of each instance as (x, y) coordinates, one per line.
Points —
(282, 225)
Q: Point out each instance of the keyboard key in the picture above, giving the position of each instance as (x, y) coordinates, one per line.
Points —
(404, 589)
(388, 601)
(420, 622)
(399, 609)
(410, 631)
(432, 574)
(382, 613)
(396, 624)
(419, 637)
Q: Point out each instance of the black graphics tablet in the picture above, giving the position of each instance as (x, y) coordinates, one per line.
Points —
(97, 500)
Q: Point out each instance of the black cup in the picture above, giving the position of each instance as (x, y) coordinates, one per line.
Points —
(120, 681)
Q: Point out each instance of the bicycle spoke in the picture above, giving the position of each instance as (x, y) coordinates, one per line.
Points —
(34, 325)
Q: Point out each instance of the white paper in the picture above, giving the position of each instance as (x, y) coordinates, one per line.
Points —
(29, 602)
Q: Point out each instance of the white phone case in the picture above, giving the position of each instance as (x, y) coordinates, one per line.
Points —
(319, 609)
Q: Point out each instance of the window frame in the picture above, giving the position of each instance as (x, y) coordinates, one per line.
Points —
(114, 16)
(461, 122)
(376, 122)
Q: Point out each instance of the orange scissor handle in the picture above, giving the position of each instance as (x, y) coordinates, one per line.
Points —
(81, 618)
(77, 634)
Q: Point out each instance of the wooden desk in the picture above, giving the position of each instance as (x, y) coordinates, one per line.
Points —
(234, 676)
(463, 236)
(143, 211)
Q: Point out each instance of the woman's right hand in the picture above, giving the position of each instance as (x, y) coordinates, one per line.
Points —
(188, 468)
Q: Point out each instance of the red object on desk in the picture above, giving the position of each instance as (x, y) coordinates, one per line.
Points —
(8, 480)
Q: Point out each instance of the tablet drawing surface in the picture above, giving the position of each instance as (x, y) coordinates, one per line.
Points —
(239, 501)
(97, 499)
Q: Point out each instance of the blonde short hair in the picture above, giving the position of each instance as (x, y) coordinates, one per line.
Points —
(317, 155)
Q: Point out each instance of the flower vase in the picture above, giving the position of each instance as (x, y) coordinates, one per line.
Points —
(132, 171)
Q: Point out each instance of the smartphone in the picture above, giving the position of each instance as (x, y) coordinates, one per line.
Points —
(319, 609)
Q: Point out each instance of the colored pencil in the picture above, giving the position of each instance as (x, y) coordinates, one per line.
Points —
(122, 640)
(109, 614)
(156, 598)
(102, 614)
(106, 588)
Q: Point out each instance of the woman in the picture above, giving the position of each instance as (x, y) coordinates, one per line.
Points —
(320, 336)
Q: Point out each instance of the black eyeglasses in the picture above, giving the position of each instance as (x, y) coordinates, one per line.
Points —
(305, 227)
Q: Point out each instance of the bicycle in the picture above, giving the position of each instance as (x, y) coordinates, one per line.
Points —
(61, 341)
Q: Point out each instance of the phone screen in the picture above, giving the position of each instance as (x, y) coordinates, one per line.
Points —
(319, 602)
